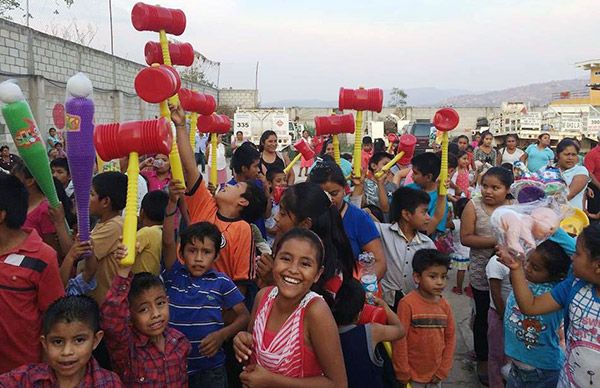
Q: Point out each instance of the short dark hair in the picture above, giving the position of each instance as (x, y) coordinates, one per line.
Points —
(200, 231)
(406, 198)
(69, 309)
(367, 140)
(60, 163)
(346, 155)
(244, 156)
(349, 301)
(459, 207)
(13, 200)
(111, 184)
(57, 143)
(273, 171)
(453, 149)
(154, 205)
(427, 163)
(4, 147)
(141, 282)
(556, 259)
(452, 161)
(591, 239)
(427, 258)
(376, 158)
(257, 202)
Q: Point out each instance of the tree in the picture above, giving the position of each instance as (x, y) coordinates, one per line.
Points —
(398, 98)
(195, 74)
(7, 6)
(84, 35)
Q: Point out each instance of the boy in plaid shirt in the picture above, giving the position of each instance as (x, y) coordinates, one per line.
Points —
(148, 352)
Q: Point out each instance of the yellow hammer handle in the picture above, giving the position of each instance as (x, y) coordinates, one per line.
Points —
(130, 222)
(389, 165)
(336, 150)
(444, 165)
(213, 159)
(357, 158)
(174, 159)
(164, 45)
(193, 125)
(287, 169)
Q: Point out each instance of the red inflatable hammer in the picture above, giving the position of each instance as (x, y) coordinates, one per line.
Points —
(157, 83)
(334, 125)
(406, 150)
(146, 17)
(303, 150)
(191, 101)
(215, 125)
(182, 54)
(445, 120)
(131, 139)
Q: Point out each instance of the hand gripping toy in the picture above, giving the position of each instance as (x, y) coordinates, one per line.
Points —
(445, 120)
(334, 125)
(132, 139)
(303, 150)
(196, 103)
(215, 125)
(406, 149)
(146, 17)
(26, 135)
(80, 152)
(360, 99)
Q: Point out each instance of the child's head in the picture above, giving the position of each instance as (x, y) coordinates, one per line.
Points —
(298, 263)
(548, 262)
(4, 150)
(430, 271)
(52, 131)
(378, 145)
(154, 204)
(409, 207)
(463, 159)
(21, 171)
(276, 177)
(108, 194)
(331, 179)
(199, 247)
(14, 200)
(245, 160)
(52, 154)
(495, 185)
(486, 139)
(463, 142)
(70, 332)
(586, 261)
(249, 199)
(305, 133)
(349, 302)
(161, 164)
(148, 304)
(426, 168)
(59, 146)
(367, 143)
(60, 170)
(378, 160)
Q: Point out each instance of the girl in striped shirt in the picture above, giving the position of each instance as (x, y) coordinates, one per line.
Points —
(292, 338)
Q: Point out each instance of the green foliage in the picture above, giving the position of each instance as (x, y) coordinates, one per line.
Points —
(398, 98)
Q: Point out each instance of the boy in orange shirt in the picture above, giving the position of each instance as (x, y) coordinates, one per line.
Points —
(424, 357)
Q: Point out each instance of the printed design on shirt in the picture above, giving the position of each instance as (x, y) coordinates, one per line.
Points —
(429, 321)
(28, 136)
(583, 364)
(223, 241)
(527, 328)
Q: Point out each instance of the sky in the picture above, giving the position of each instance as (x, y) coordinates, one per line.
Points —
(309, 49)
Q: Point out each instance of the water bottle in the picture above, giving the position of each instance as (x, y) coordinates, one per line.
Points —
(368, 277)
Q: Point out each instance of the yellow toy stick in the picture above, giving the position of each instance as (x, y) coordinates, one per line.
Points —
(213, 159)
(130, 221)
(407, 150)
(289, 167)
(357, 158)
(193, 129)
(389, 165)
(336, 150)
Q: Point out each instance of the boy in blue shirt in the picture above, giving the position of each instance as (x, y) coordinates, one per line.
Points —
(198, 295)
(426, 170)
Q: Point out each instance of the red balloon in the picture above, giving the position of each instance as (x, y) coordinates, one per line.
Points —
(58, 116)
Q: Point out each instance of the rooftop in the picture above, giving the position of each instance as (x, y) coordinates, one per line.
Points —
(587, 65)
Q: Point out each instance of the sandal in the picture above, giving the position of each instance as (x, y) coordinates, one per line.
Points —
(457, 290)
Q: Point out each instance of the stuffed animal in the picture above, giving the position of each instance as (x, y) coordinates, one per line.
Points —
(522, 231)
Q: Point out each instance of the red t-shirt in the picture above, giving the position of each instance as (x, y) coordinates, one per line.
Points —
(592, 162)
(29, 283)
(39, 219)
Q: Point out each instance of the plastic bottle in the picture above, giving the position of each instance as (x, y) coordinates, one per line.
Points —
(368, 277)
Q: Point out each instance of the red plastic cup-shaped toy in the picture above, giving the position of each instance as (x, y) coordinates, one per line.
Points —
(145, 17)
(372, 314)
(117, 140)
(219, 124)
(445, 119)
(333, 125)
(182, 54)
(361, 99)
(204, 104)
(157, 83)
(303, 148)
(407, 145)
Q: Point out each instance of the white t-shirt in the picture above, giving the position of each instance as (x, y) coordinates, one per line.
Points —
(221, 160)
(568, 175)
(511, 158)
(497, 270)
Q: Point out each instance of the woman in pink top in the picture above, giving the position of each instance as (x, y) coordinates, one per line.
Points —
(157, 172)
(292, 333)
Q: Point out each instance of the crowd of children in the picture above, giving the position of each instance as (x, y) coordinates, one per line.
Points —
(256, 282)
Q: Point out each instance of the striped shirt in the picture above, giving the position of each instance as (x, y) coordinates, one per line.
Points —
(195, 305)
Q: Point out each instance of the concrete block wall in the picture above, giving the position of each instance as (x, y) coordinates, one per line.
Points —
(242, 98)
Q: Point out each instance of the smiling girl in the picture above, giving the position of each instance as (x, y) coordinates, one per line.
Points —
(292, 339)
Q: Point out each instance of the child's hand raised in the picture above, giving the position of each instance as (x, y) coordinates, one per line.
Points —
(506, 258)
(177, 115)
(176, 190)
(242, 345)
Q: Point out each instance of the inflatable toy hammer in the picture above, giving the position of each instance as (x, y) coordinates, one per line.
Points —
(27, 137)
(334, 125)
(197, 103)
(181, 54)
(360, 99)
(132, 139)
(303, 150)
(406, 149)
(80, 152)
(445, 120)
(215, 125)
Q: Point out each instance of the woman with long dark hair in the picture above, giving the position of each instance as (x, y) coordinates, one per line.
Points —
(270, 157)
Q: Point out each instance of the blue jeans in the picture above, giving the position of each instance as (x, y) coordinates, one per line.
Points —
(535, 378)
(212, 378)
